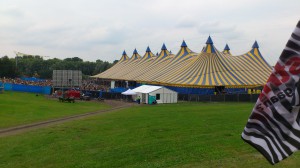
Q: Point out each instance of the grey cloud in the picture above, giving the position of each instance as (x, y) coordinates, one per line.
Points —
(12, 12)
(106, 28)
(215, 27)
(186, 22)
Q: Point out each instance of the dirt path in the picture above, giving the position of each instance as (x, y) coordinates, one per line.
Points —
(116, 105)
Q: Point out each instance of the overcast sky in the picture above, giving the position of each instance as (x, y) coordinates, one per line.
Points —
(102, 29)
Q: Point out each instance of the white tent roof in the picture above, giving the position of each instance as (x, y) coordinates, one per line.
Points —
(146, 89)
(129, 92)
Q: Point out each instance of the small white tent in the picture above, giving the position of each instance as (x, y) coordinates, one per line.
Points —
(149, 93)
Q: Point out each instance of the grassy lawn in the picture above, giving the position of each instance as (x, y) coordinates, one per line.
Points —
(179, 135)
(23, 108)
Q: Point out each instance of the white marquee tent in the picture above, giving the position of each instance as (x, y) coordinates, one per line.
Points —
(149, 93)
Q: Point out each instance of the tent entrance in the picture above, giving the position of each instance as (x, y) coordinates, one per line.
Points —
(220, 90)
(143, 97)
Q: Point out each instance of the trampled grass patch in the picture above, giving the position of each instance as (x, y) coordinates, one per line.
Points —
(22, 108)
(173, 135)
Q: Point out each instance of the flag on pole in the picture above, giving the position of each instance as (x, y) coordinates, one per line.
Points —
(273, 126)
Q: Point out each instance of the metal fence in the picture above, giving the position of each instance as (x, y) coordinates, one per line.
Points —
(198, 98)
(109, 95)
(219, 98)
(185, 97)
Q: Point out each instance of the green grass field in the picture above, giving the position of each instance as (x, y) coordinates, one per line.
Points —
(173, 135)
(22, 108)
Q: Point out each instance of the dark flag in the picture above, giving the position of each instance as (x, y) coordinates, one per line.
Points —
(273, 128)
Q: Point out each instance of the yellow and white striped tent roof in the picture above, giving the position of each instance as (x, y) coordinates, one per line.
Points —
(207, 69)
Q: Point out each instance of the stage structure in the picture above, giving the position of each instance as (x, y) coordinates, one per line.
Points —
(67, 78)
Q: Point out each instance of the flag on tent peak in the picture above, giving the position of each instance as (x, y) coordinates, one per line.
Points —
(273, 127)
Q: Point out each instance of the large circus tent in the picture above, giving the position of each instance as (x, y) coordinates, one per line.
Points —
(188, 71)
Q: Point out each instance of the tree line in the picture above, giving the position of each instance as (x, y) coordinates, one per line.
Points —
(36, 66)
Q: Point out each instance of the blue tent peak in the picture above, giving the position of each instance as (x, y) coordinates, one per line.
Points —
(209, 41)
(135, 51)
(124, 53)
(164, 47)
(255, 45)
(183, 44)
(148, 49)
(226, 47)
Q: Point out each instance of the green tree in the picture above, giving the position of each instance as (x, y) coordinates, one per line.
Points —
(7, 67)
(30, 65)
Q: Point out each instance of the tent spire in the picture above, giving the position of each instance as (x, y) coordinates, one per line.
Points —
(148, 54)
(226, 49)
(124, 56)
(124, 53)
(209, 46)
(255, 45)
(164, 47)
(135, 55)
(255, 48)
(148, 49)
(209, 40)
(164, 51)
(183, 44)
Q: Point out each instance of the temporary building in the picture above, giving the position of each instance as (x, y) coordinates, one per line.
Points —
(149, 93)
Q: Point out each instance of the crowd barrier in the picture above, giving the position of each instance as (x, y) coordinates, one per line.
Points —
(183, 90)
(219, 98)
(27, 88)
(198, 98)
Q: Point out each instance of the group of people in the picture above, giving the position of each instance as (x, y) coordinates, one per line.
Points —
(88, 85)
(26, 82)
(93, 85)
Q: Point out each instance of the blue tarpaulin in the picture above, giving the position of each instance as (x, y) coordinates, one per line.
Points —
(27, 88)
(199, 91)
(118, 90)
(1, 87)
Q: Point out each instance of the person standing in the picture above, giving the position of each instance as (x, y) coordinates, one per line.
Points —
(138, 100)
